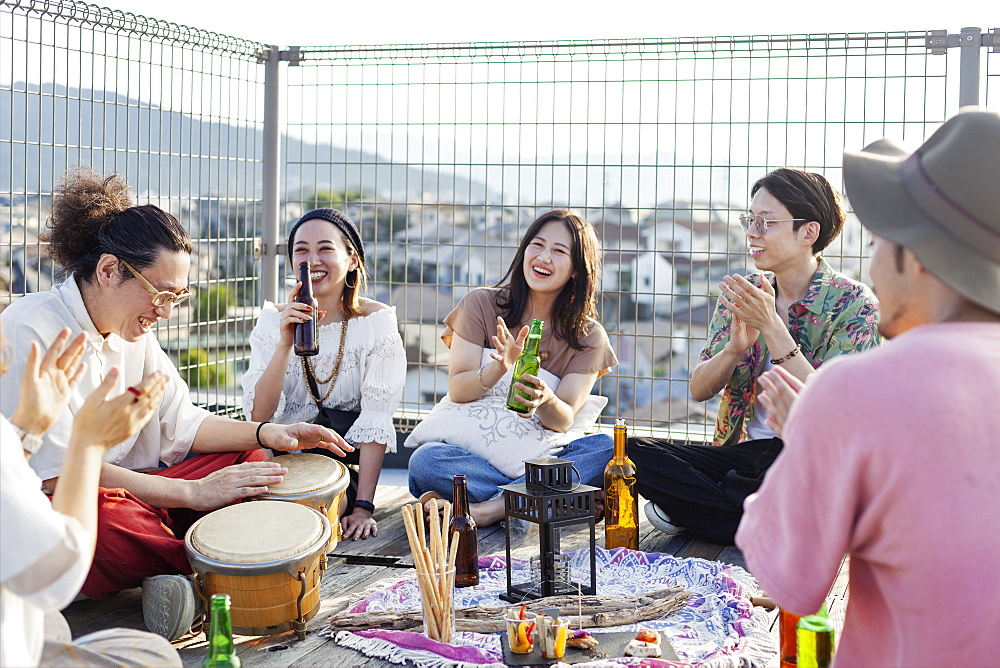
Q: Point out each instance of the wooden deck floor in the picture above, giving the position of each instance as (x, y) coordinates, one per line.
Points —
(357, 565)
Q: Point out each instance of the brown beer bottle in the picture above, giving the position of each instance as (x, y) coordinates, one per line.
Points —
(467, 558)
(787, 633)
(621, 497)
(307, 333)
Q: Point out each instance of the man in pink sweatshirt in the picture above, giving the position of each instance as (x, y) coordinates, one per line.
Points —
(893, 456)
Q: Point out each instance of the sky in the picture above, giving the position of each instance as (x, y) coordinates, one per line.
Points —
(322, 22)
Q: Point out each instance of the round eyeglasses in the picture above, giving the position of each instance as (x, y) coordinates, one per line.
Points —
(759, 223)
(160, 297)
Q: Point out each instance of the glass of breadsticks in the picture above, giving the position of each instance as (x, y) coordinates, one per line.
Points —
(434, 560)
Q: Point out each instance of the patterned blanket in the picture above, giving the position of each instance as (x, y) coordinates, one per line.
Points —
(717, 628)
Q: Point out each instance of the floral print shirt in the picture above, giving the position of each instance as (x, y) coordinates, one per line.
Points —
(836, 316)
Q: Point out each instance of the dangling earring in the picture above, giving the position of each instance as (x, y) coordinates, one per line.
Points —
(355, 272)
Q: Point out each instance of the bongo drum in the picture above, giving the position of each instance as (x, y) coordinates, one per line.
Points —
(268, 557)
(315, 481)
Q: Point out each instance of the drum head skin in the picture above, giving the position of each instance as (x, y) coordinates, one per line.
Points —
(306, 473)
(251, 533)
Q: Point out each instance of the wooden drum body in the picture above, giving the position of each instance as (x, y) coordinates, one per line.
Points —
(312, 480)
(268, 556)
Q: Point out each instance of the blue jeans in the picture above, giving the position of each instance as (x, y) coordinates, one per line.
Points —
(433, 465)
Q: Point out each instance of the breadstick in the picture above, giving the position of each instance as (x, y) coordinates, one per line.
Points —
(435, 535)
(419, 511)
(427, 589)
(445, 521)
(454, 550)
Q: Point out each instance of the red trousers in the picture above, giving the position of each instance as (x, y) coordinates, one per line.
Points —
(136, 540)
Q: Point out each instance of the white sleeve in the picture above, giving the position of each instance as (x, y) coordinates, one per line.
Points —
(179, 418)
(381, 384)
(18, 335)
(44, 556)
(263, 342)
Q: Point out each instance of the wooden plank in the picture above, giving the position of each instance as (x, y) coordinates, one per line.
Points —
(702, 549)
(284, 649)
(732, 555)
(391, 540)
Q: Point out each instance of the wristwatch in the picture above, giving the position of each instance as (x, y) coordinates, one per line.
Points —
(29, 442)
(365, 505)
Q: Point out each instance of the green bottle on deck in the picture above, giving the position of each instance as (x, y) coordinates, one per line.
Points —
(221, 651)
(815, 640)
(528, 362)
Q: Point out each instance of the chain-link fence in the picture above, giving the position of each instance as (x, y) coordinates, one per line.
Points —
(174, 109)
(444, 154)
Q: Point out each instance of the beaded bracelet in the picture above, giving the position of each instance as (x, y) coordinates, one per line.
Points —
(795, 351)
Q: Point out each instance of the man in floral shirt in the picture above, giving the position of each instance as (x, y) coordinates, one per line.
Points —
(799, 315)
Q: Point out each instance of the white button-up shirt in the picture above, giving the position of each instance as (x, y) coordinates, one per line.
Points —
(40, 317)
(44, 556)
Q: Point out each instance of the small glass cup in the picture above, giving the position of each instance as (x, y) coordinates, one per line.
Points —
(438, 604)
(561, 569)
(520, 632)
(552, 637)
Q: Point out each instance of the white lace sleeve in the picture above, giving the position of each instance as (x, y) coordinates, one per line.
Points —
(383, 378)
(263, 341)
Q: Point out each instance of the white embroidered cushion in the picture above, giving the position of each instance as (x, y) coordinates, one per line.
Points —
(486, 428)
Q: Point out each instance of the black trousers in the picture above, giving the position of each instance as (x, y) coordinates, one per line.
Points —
(702, 487)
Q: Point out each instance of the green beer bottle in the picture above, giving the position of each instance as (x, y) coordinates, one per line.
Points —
(815, 640)
(527, 362)
(221, 652)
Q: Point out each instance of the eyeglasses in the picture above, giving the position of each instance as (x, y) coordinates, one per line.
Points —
(159, 297)
(760, 224)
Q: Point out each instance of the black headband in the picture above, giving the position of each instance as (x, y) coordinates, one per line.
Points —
(338, 218)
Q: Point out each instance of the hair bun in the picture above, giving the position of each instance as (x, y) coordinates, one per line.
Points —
(83, 202)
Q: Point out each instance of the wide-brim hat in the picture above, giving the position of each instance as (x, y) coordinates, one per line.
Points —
(941, 201)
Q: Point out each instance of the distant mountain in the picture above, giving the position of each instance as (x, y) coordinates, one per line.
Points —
(173, 154)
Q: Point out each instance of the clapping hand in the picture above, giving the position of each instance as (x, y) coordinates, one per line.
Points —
(48, 383)
(106, 422)
(780, 391)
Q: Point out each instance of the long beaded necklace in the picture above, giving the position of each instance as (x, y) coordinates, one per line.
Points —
(307, 368)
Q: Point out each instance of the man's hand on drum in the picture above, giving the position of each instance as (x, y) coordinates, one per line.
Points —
(302, 436)
(233, 483)
(359, 524)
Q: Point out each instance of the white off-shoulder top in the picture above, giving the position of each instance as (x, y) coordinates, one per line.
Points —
(371, 378)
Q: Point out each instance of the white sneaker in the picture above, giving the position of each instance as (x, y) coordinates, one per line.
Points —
(170, 605)
(661, 520)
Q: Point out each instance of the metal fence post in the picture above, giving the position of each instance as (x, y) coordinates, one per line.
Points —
(271, 195)
(971, 41)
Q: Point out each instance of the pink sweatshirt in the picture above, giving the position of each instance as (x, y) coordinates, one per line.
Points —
(893, 457)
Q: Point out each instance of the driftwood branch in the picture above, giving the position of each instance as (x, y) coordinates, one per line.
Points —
(598, 611)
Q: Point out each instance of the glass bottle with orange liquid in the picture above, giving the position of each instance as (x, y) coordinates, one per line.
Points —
(621, 497)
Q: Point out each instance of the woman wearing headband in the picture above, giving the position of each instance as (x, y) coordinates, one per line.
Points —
(361, 364)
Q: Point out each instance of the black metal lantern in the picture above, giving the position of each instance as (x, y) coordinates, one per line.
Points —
(550, 498)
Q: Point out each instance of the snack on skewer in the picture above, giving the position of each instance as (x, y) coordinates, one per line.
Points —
(582, 640)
